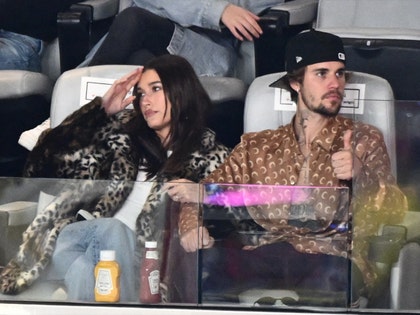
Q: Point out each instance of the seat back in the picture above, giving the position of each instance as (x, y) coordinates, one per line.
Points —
(264, 109)
(67, 90)
(386, 43)
(24, 103)
(405, 285)
(125, 4)
(227, 95)
(50, 60)
(355, 18)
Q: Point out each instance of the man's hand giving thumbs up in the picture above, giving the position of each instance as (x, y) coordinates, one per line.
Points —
(346, 165)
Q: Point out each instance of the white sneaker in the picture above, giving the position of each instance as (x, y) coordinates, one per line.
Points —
(60, 294)
(29, 138)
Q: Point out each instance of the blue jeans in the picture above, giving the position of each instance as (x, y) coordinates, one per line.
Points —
(19, 52)
(77, 253)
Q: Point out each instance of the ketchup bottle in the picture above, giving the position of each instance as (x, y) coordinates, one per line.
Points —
(150, 275)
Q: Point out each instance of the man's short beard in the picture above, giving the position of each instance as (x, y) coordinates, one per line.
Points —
(321, 109)
(326, 112)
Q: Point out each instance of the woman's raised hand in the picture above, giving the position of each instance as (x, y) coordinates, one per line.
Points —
(115, 99)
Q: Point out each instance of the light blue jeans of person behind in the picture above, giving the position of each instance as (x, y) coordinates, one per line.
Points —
(77, 253)
(19, 52)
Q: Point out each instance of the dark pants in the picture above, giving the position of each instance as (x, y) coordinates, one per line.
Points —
(229, 271)
(135, 36)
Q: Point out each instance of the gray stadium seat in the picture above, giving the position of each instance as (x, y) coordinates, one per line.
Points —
(381, 37)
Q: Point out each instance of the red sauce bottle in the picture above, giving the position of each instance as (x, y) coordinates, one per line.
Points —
(150, 275)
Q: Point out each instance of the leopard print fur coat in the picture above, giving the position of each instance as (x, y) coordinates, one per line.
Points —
(91, 146)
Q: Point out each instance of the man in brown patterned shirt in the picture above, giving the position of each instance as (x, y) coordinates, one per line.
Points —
(318, 148)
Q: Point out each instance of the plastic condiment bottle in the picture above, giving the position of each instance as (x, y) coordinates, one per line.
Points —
(107, 278)
(150, 275)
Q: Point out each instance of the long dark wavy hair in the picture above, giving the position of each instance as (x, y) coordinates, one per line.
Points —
(189, 110)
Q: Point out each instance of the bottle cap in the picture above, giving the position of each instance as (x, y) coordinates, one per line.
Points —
(151, 244)
(107, 255)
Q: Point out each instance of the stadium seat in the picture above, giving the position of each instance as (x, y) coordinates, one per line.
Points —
(227, 94)
(369, 98)
(24, 103)
(378, 101)
(381, 37)
(25, 96)
(226, 119)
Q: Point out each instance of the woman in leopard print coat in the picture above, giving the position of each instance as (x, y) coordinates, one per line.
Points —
(103, 140)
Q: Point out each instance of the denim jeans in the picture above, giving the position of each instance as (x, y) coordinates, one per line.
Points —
(19, 52)
(77, 253)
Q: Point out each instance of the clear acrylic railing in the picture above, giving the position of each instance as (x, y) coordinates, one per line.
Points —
(240, 219)
(210, 276)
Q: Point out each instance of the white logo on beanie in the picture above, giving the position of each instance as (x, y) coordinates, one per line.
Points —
(341, 56)
(298, 59)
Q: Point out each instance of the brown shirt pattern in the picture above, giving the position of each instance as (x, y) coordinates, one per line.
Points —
(273, 157)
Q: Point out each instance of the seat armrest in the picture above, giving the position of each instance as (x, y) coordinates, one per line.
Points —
(216, 88)
(20, 83)
(291, 13)
(100, 9)
(385, 248)
(279, 24)
(80, 28)
(14, 218)
(19, 212)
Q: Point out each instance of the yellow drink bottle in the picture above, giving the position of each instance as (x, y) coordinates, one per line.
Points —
(107, 278)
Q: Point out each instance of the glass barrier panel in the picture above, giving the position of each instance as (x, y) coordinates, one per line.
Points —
(404, 284)
(63, 238)
(241, 268)
(269, 245)
(386, 221)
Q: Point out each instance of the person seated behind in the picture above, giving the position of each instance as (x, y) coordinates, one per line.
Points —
(19, 52)
(24, 26)
(164, 141)
(317, 148)
(204, 32)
